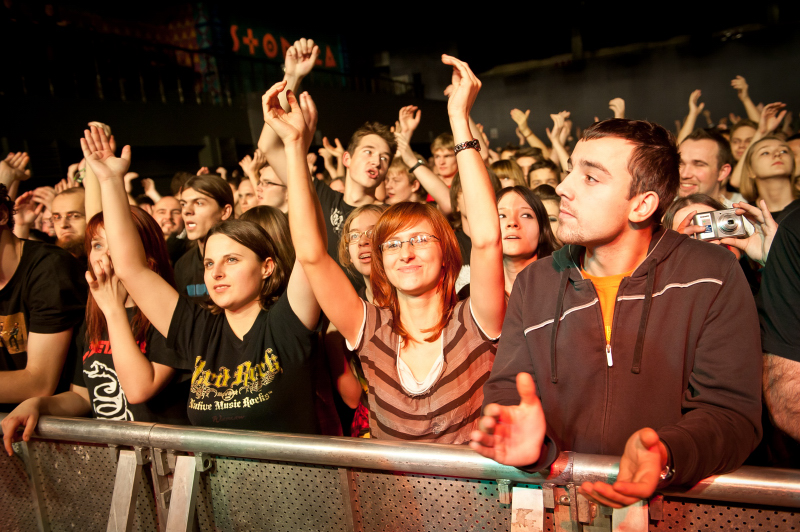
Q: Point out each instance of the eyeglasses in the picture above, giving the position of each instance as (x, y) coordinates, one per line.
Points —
(417, 242)
(70, 215)
(355, 236)
(266, 184)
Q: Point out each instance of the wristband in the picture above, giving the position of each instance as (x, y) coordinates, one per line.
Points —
(420, 162)
(474, 144)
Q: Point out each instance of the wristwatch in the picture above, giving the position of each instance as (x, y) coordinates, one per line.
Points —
(420, 162)
(474, 144)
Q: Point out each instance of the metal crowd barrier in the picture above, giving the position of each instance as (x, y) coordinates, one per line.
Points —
(82, 475)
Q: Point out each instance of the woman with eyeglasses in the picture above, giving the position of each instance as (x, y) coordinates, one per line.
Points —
(425, 354)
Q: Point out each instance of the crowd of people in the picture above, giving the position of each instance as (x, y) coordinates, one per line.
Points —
(525, 300)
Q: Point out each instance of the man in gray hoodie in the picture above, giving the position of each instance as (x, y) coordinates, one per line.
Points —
(641, 341)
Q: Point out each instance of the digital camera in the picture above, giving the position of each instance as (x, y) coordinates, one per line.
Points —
(720, 224)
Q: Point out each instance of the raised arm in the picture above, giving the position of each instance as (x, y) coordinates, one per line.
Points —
(338, 153)
(252, 167)
(486, 271)
(521, 119)
(152, 294)
(555, 136)
(740, 84)
(691, 119)
(300, 59)
(330, 285)
(429, 181)
(140, 378)
(768, 121)
(12, 169)
(618, 106)
(93, 203)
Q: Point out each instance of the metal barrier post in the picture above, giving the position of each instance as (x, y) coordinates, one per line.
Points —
(126, 488)
(346, 489)
(23, 450)
(161, 469)
(184, 491)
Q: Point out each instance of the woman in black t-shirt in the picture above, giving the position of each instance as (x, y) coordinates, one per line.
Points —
(250, 352)
(114, 377)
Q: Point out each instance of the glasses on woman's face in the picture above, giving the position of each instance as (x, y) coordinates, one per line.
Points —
(355, 236)
(417, 242)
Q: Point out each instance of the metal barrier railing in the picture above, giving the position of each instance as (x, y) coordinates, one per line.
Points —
(344, 458)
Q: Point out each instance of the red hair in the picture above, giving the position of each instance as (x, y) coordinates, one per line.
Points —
(155, 249)
(397, 218)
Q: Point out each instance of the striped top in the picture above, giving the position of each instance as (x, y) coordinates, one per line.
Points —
(448, 411)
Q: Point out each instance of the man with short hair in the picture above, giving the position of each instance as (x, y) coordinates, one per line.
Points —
(642, 342)
(366, 159)
(444, 157)
(705, 164)
(167, 213)
(527, 157)
(741, 135)
(69, 220)
(543, 173)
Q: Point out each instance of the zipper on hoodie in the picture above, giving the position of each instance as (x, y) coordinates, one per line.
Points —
(609, 358)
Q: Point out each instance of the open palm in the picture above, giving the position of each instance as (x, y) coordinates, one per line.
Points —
(290, 127)
(100, 156)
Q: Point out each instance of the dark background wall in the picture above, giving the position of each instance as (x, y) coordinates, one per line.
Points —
(655, 84)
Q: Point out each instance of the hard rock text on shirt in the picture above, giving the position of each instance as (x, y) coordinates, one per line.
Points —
(242, 388)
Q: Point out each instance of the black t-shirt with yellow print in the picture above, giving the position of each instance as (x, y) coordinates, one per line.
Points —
(261, 382)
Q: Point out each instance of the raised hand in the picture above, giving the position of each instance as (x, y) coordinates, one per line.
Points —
(639, 472)
(13, 168)
(618, 106)
(694, 108)
(757, 245)
(707, 115)
(203, 170)
(512, 435)
(337, 151)
(45, 196)
(740, 84)
(311, 159)
(255, 164)
(521, 119)
(771, 117)
(326, 155)
(404, 149)
(26, 210)
(787, 127)
(107, 290)
(290, 127)
(100, 157)
(149, 186)
(559, 119)
(734, 118)
(128, 179)
(465, 89)
(409, 118)
(520, 136)
(300, 58)
(310, 115)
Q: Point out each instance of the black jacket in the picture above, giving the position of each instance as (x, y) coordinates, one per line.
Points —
(685, 349)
